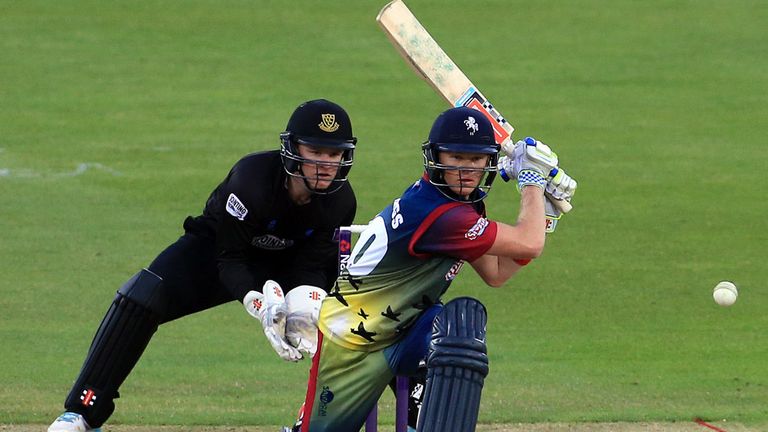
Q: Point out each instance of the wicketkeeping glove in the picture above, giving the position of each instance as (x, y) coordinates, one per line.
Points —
(304, 303)
(270, 309)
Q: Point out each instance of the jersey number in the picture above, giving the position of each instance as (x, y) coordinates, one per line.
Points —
(369, 249)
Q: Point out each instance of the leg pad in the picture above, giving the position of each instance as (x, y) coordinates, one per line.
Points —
(120, 341)
(456, 368)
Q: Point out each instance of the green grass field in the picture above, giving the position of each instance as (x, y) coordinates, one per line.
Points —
(118, 118)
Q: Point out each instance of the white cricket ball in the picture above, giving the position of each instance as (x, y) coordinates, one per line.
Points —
(725, 293)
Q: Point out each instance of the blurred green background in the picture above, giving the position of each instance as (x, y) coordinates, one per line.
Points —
(117, 119)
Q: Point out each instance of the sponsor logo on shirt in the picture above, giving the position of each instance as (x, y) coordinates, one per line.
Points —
(454, 271)
(271, 242)
(326, 397)
(477, 230)
(235, 207)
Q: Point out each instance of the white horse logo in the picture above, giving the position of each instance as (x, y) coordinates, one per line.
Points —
(472, 125)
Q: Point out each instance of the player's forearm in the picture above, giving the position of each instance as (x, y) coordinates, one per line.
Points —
(239, 278)
(524, 239)
(530, 222)
(495, 270)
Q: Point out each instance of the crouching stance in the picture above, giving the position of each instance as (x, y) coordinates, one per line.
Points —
(377, 321)
(268, 225)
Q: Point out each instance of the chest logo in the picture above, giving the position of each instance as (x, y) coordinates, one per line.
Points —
(235, 207)
(477, 230)
(271, 242)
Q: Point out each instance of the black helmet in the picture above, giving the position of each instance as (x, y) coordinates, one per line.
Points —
(461, 130)
(318, 123)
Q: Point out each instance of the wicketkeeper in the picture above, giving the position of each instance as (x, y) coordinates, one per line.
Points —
(268, 227)
(384, 314)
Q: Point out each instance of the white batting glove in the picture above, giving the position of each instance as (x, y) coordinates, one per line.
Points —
(270, 309)
(529, 161)
(561, 186)
(534, 155)
(510, 165)
(304, 303)
(506, 168)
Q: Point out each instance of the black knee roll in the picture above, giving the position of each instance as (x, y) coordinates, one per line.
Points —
(145, 288)
(456, 368)
(122, 336)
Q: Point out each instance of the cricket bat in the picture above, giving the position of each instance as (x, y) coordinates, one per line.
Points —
(429, 61)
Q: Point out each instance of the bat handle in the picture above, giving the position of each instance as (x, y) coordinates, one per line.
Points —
(562, 205)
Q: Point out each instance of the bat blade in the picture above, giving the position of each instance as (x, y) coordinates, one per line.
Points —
(420, 50)
(431, 63)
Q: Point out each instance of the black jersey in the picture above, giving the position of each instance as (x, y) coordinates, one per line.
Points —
(261, 234)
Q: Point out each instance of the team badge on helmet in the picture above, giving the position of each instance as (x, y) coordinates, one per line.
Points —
(329, 123)
(472, 125)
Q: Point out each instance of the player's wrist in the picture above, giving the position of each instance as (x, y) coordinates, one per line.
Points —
(529, 177)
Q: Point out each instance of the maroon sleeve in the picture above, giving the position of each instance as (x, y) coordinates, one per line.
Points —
(458, 231)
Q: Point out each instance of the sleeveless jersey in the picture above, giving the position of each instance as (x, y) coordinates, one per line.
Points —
(401, 265)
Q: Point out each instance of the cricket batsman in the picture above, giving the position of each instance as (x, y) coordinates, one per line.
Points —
(384, 315)
(267, 227)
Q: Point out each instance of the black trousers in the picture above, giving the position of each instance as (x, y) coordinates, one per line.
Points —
(190, 276)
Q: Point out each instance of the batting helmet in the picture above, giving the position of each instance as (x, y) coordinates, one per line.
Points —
(318, 123)
(461, 130)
